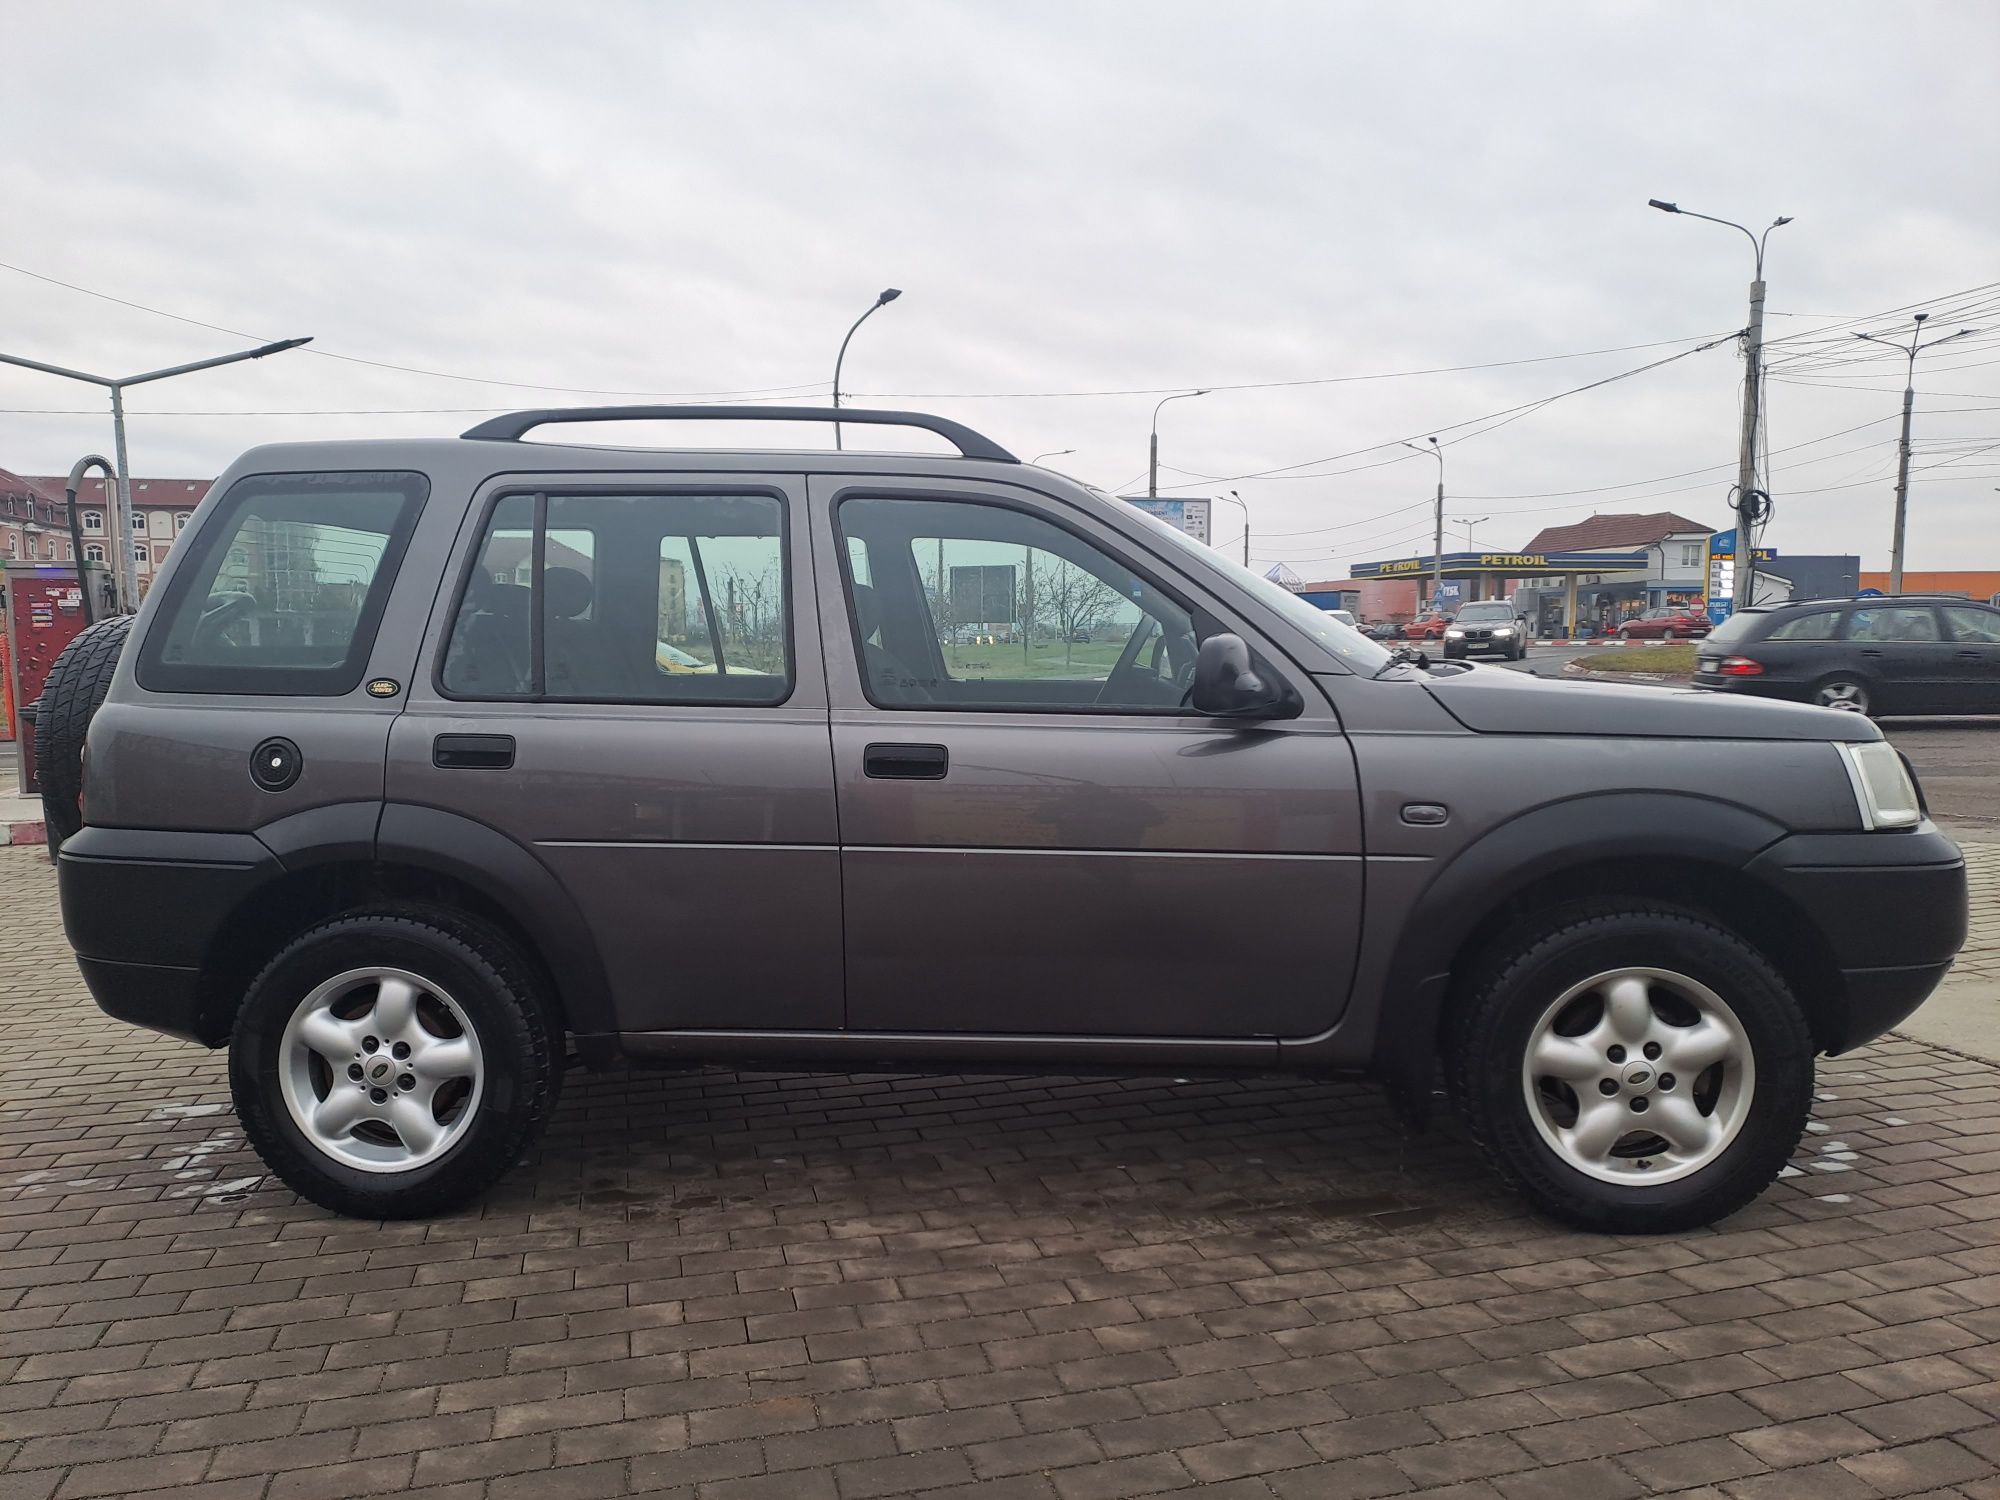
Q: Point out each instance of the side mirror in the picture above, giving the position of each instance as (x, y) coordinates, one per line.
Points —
(1227, 686)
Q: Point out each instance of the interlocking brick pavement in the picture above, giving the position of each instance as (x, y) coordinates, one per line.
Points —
(726, 1286)
(1981, 955)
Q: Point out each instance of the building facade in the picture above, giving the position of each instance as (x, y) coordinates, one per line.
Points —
(160, 510)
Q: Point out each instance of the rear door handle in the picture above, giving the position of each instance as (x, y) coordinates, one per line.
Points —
(1871, 651)
(905, 762)
(473, 752)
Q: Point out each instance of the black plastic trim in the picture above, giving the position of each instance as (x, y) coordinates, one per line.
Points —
(515, 425)
(154, 996)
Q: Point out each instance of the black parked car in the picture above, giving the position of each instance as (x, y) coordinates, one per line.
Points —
(1910, 654)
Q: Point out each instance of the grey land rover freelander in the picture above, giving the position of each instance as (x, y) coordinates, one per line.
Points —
(432, 767)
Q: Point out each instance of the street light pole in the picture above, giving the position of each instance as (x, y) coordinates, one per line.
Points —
(1238, 499)
(1437, 546)
(882, 299)
(1153, 458)
(1749, 511)
(1910, 353)
(1052, 453)
(1468, 522)
(123, 574)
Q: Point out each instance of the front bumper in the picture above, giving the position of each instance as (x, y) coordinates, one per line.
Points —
(142, 909)
(1889, 910)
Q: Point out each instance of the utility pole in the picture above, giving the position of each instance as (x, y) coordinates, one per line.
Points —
(1751, 503)
(1910, 353)
(1437, 544)
(123, 574)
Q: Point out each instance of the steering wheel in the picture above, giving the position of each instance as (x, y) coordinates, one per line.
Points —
(222, 611)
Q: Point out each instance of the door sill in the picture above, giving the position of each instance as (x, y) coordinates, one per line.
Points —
(850, 1049)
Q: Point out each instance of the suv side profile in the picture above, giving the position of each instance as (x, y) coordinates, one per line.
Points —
(1874, 655)
(397, 792)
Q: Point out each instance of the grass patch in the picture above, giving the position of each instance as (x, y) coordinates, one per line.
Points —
(1675, 659)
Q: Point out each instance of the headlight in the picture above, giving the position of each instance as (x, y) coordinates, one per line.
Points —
(1454, 635)
(1503, 629)
(1883, 791)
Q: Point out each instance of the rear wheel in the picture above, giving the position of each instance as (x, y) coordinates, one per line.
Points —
(1633, 1069)
(390, 1065)
(1848, 694)
(1669, 635)
(71, 696)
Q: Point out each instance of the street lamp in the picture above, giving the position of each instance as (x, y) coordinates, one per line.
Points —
(883, 299)
(1153, 462)
(1437, 549)
(1238, 499)
(122, 562)
(1910, 352)
(1053, 453)
(1468, 522)
(1749, 511)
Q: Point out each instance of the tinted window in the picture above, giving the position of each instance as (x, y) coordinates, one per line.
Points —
(1970, 624)
(1740, 626)
(1817, 626)
(1487, 613)
(981, 606)
(1903, 622)
(625, 598)
(283, 586)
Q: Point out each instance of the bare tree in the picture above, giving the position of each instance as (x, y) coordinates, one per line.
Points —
(1071, 599)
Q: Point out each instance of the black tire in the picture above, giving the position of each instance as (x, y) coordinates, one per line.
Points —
(1526, 972)
(1854, 694)
(71, 696)
(503, 1000)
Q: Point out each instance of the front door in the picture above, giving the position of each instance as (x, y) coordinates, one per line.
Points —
(1975, 657)
(1037, 837)
(627, 681)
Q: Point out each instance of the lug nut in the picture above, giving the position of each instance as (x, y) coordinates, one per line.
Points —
(1616, 1054)
(406, 1082)
(381, 1096)
(354, 1071)
(1666, 1080)
(1607, 1086)
(1638, 1106)
(1652, 1050)
(369, 1044)
(401, 1049)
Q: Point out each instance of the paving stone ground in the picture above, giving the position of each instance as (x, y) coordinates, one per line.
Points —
(726, 1286)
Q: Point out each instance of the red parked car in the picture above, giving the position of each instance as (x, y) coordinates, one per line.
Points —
(1429, 628)
(1670, 622)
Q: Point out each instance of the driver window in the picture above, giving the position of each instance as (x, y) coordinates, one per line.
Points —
(982, 606)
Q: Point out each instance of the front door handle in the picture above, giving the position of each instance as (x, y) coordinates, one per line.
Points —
(1871, 651)
(905, 762)
(473, 752)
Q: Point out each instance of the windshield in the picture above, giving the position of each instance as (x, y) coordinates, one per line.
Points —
(1495, 610)
(1344, 641)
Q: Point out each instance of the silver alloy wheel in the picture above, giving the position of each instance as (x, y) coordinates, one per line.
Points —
(380, 1070)
(1848, 696)
(1639, 1076)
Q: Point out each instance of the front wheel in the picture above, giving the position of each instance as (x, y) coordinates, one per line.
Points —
(1633, 1069)
(390, 1065)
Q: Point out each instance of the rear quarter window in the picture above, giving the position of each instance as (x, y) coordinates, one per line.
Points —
(283, 586)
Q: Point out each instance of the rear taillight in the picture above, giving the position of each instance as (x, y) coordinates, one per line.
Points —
(1739, 666)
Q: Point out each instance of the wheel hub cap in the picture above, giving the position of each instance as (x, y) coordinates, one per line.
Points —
(380, 1070)
(1638, 1076)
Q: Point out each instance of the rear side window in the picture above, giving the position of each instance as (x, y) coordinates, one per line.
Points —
(1896, 622)
(1818, 626)
(1971, 624)
(623, 598)
(283, 586)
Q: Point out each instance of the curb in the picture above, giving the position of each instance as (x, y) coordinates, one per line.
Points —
(24, 833)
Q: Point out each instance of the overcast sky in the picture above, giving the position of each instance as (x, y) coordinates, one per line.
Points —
(666, 199)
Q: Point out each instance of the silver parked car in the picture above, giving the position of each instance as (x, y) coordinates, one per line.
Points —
(429, 764)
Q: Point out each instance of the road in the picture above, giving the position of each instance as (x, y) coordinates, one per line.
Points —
(1957, 760)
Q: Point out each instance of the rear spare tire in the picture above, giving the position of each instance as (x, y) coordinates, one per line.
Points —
(70, 698)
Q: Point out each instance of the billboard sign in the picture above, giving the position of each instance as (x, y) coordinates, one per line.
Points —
(1190, 516)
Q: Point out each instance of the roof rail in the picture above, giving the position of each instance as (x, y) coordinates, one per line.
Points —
(514, 425)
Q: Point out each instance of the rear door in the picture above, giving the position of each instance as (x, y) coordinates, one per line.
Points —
(1037, 838)
(1904, 649)
(1975, 657)
(624, 676)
